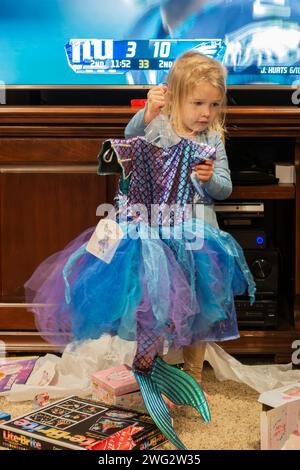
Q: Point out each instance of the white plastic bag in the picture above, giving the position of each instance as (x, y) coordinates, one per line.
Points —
(260, 378)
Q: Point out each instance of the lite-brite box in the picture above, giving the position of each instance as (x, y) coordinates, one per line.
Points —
(117, 386)
(79, 424)
(280, 416)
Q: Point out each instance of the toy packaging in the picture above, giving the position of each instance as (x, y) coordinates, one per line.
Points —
(80, 424)
(4, 416)
(280, 416)
(117, 386)
(15, 371)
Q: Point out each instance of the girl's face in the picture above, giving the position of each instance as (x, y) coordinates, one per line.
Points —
(200, 108)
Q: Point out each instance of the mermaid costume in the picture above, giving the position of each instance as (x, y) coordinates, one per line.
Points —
(172, 278)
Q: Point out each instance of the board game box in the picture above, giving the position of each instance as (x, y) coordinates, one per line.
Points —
(81, 424)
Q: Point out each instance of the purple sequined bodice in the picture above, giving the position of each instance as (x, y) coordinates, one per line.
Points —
(160, 175)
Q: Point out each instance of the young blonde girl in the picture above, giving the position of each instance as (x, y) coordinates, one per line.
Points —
(193, 99)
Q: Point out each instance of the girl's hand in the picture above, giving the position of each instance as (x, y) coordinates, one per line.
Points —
(204, 171)
(156, 101)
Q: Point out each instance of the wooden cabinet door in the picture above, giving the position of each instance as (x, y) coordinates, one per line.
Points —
(42, 209)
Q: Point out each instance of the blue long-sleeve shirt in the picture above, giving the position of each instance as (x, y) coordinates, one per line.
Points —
(219, 186)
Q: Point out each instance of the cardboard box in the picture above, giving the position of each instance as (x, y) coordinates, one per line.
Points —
(119, 380)
(280, 416)
(285, 172)
(117, 386)
(80, 424)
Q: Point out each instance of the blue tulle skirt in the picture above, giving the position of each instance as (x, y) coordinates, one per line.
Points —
(178, 283)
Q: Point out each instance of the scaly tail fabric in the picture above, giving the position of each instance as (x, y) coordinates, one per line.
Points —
(157, 408)
(176, 385)
(180, 387)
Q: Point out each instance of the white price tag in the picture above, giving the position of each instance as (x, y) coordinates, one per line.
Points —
(105, 240)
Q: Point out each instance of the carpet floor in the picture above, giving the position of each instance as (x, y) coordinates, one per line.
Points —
(235, 417)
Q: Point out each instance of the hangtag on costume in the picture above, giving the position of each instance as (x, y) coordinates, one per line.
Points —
(105, 240)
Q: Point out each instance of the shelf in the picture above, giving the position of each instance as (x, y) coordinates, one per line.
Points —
(109, 121)
(277, 342)
(272, 191)
(269, 342)
(26, 342)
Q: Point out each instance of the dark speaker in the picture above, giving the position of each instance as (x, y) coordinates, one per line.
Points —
(264, 266)
(264, 312)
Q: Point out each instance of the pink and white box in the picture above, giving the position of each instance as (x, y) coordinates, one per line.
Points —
(117, 386)
(280, 418)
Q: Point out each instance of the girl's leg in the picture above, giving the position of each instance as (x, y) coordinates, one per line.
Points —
(193, 357)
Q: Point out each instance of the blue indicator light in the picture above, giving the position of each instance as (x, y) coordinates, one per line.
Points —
(260, 240)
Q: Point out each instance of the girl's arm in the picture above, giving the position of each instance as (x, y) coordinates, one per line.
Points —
(219, 186)
(155, 102)
(136, 125)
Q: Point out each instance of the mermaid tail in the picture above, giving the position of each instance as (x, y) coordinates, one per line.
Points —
(180, 387)
(157, 408)
(176, 385)
(155, 377)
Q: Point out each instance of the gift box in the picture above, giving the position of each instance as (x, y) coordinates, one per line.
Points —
(117, 386)
(280, 417)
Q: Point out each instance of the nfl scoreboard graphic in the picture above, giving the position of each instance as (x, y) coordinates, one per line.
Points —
(106, 56)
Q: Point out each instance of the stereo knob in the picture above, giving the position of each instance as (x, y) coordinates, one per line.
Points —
(261, 268)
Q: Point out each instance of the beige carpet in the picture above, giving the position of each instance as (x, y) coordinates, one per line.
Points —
(235, 417)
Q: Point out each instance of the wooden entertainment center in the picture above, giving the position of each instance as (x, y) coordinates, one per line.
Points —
(50, 192)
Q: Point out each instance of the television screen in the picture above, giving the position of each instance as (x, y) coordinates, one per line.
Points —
(134, 42)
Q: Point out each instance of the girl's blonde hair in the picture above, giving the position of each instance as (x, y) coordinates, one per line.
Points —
(186, 73)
